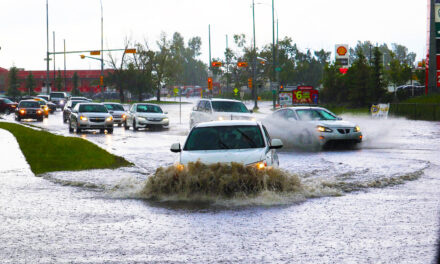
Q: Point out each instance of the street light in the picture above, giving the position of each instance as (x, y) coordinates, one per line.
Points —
(102, 46)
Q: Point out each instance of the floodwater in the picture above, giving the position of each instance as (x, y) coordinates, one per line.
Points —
(378, 202)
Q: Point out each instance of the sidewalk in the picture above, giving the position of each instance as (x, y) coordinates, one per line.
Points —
(11, 157)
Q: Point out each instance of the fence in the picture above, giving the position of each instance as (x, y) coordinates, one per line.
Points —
(416, 111)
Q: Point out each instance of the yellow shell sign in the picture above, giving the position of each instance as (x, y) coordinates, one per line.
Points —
(341, 50)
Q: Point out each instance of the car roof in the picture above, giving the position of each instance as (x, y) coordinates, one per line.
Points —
(89, 103)
(302, 107)
(228, 123)
(28, 100)
(146, 104)
(111, 103)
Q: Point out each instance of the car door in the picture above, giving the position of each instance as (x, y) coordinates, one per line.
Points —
(195, 113)
(271, 154)
(130, 114)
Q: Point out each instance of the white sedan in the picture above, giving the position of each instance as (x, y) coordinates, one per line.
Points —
(143, 115)
(245, 142)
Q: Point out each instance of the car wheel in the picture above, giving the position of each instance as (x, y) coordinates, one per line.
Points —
(134, 125)
(78, 130)
(7, 111)
(125, 125)
(40, 119)
(70, 127)
(101, 131)
(120, 124)
(110, 130)
(18, 118)
(64, 119)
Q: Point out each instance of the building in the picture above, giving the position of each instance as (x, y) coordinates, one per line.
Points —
(88, 80)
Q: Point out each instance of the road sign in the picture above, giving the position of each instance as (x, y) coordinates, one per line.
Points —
(236, 91)
(343, 62)
(95, 52)
(176, 91)
(130, 51)
(278, 69)
(341, 51)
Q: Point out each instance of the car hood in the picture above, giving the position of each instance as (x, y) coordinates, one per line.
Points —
(333, 123)
(245, 156)
(93, 114)
(151, 115)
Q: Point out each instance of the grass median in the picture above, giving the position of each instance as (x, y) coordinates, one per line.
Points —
(46, 152)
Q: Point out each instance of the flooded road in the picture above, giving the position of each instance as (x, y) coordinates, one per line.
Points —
(376, 203)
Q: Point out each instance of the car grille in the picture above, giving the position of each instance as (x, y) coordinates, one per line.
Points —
(344, 130)
(97, 119)
(154, 119)
(117, 116)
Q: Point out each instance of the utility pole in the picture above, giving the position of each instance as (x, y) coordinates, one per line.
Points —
(210, 66)
(47, 47)
(277, 73)
(54, 69)
(227, 65)
(101, 83)
(432, 66)
(254, 62)
(65, 80)
(274, 64)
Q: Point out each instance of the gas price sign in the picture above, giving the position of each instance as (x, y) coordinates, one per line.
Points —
(305, 95)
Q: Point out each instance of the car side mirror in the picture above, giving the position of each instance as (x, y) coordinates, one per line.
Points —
(276, 143)
(252, 111)
(339, 118)
(166, 112)
(195, 108)
(175, 147)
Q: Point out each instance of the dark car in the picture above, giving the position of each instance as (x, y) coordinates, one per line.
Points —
(29, 109)
(68, 109)
(7, 106)
(59, 98)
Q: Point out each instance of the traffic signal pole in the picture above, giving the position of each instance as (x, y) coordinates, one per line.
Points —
(254, 62)
(47, 47)
(274, 64)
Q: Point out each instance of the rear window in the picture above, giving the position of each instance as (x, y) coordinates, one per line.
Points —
(28, 104)
(92, 109)
(57, 95)
(75, 103)
(225, 137)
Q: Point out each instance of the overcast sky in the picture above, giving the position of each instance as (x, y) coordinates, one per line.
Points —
(312, 24)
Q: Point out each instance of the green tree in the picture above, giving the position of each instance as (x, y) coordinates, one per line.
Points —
(75, 82)
(30, 83)
(378, 85)
(59, 81)
(358, 81)
(13, 82)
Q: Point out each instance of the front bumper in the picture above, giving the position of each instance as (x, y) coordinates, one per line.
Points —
(95, 125)
(345, 135)
(145, 123)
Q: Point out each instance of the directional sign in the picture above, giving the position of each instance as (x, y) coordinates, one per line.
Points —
(176, 91)
(236, 91)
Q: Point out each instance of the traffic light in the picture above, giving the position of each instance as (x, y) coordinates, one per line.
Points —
(209, 83)
(216, 64)
(281, 87)
(82, 56)
(242, 64)
(250, 83)
(101, 80)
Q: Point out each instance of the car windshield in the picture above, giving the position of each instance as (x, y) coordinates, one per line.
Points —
(225, 137)
(315, 114)
(57, 95)
(42, 102)
(88, 108)
(28, 104)
(114, 107)
(148, 109)
(44, 97)
(227, 106)
(7, 101)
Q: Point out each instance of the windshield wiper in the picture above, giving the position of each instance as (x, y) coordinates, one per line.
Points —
(253, 144)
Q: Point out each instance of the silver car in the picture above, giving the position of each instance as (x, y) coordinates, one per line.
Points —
(86, 116)
(316, 124)
(143, 115)
(117, 111)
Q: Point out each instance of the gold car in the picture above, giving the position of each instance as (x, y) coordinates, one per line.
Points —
(43, 105)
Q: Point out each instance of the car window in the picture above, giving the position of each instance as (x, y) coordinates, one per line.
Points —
(290, 114)
(28, 104)
(87, 108)
(200, 106)
(148, 109)
(229, 106)
(115, 107)
(267, 135)
(6, 101)
(225, 137)
(133, 108)
(57, 95)
(315, 114)
(73, 103)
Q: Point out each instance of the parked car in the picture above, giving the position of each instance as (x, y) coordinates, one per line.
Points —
(246, 142)
(86, 116)
(117, 111)
(29, 109)
(318, 124)
(219, 110)
(81, 98)
(59, 98)
(7, 106)
(143, 115)
(67, 110)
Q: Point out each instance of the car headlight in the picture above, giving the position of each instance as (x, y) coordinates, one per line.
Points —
(357, 129)
(83, 118)
(124, 116)
(22, 111)
(253, 119)
(141, 119)
(61, 101)
(46, 108)
(323, 129)
(220, 118)
(165, 119)
(109, 119)
(259, 165)
(39, 112)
